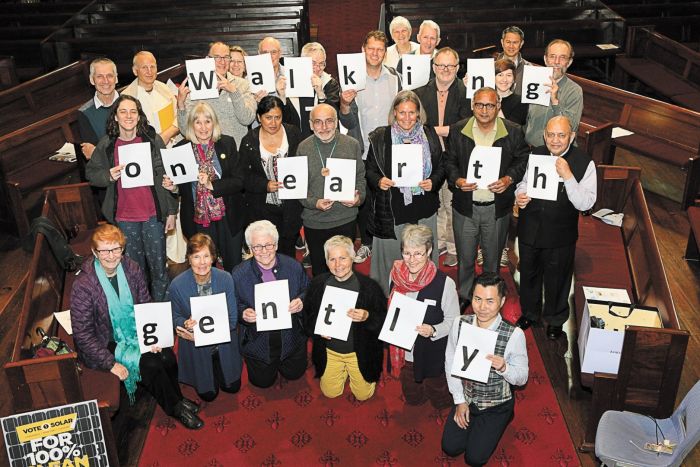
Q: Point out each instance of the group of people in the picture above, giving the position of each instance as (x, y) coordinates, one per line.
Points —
(234, 205)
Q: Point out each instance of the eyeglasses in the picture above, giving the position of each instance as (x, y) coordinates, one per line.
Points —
(555, 58)
(407, 255)
(318, 64)
(237, 62)
(482, 106)
(442, 67)
(115, 251)
(326, 122)
(260, 248)
(219, 58)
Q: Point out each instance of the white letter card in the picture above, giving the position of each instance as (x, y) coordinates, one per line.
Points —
(476, 343)
(154, 325)
(407, 164)
(333, 320)
(272, 306)
(211, 314)
(404, 315)
(138, 166)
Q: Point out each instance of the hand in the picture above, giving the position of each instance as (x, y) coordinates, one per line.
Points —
(425, 330)
(443, 130)
(553, 89)
(465, 80)
(203, 178)
(318, 86)
(168, 183)
(326, 337)
(500, 185)
(120, 371)
(462, 415)
(386, 183)
(88, 149)
(498, 363)
(281, 86)
(521, 199)
(226, 85)
(358, 315)
(184, 334)
(324, 204)
(259, 95)
(355, 201)
(170, 223)
(273, 186)
(346, 98)
(426, 184)
(249, 315)
(182, 93)
(462, 184)
(116, 172)
(155, 349)
(563, 168)
(296, 305)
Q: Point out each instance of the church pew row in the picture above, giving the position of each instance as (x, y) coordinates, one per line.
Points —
(661, 131)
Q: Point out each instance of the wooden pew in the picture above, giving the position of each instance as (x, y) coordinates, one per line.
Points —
(692, 249)
(8, 72)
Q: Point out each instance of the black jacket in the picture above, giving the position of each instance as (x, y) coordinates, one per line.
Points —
(457, 106)
(378, 165)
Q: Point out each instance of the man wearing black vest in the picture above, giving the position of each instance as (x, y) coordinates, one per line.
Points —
(548, 230)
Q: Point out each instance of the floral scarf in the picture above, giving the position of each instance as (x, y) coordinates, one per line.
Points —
(415, 136)
(206, 207)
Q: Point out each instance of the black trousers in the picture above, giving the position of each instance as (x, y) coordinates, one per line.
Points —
(219, 381)
(552, 268)
(315, 238)
(264, 375)
(480, 438)
(228, 245)
(159, 377)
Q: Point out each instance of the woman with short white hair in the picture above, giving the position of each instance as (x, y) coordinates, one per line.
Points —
(400, 30)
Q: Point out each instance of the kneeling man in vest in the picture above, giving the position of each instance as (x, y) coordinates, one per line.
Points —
(483, 410)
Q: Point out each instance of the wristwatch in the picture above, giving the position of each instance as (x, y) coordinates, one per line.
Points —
(434, 334)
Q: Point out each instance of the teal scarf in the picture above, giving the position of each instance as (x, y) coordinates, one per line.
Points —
(121, 312)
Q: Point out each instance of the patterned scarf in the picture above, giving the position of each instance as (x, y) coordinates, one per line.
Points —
(270, 167)
(206, 207)
(121, 313)
(415, 136)
(400, 278)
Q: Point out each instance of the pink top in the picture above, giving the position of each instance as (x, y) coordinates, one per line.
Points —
(133, 204)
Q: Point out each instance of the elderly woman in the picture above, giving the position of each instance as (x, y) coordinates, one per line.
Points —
(511, 107)
(211, 367)
(360, 356)
(214, 204)
(394, 207)
(326, 90)
(268, 353)
(144, 213)
(104, 329)
(422, 370)
(261, 148)
(237, 64)
(400, 30)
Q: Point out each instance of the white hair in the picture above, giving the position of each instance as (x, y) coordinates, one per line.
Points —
(431, 24)
(399, 21)
(261, 227)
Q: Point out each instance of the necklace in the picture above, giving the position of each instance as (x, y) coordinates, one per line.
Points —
(324, 170)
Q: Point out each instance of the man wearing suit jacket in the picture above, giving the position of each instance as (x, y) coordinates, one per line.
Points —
(444, 99)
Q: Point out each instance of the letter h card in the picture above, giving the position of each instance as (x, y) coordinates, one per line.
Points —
(473, 345)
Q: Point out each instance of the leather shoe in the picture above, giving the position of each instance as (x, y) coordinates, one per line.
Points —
(524, 323)
(190, 405)
(553, 332)
(188, 419)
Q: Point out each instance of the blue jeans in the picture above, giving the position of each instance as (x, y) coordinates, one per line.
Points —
(145, 242)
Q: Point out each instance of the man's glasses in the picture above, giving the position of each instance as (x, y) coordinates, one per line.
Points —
(442, 67)
(219, 58)
(482, 106)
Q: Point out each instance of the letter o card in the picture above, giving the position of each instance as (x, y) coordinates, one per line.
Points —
(473, 345)
(138, 165)
(211, 314)
(272, 306)
(154, 325)
(333, 320)
(404, 315)
(293, 172)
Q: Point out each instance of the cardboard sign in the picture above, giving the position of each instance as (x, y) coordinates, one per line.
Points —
(484, 166)
(534, 80)
(138, 166)
(261, 74)
(201, 79)
(154, 325)
(298, 71)
(407, 164)
(415, 70)
(473, 346)
(404, 315)
(293, 172)
(352, 71)
(481, 73)
(211, 314)
(180, 164)
(340, 182)
(542, 177)
(272, 306)
(333, 320)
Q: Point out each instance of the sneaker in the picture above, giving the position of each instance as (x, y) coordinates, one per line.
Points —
(450, 260)
(300, 244)
(480, 257)
(306, 260)
(504, 257)
(362, 254)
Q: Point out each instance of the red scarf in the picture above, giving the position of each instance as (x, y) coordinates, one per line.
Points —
(400, 278)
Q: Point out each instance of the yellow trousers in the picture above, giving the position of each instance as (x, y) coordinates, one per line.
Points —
(339, 367)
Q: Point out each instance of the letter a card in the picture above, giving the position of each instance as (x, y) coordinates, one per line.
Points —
(542, 177)
(404, 315)
(534, 80)
(407, 164)
(138, 166)
(272, 306)
(333, 320)
(473, 345)
(293, 172)
(180, 164)
(211, 314)
(340, 181)
(154, 325)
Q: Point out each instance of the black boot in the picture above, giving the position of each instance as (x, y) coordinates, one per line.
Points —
(188, 419)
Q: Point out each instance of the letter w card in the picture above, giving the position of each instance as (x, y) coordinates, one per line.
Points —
(211, 314)
(404, 315)
(542, 177)
(333, 320)
(340, 182)
(138, 166)
(154, 325)
(272, 306)
(180, 164)
(201, 79)
(473, 346)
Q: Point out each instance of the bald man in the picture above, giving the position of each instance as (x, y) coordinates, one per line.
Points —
(548, 230)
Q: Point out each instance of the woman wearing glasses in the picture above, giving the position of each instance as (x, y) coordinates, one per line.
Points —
(422, 370)
(395, 207)
(208, 368)
(104, 329)
(237, 64)
(268, 353)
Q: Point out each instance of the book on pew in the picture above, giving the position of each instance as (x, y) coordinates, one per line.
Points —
(609, 216)
(65, 154)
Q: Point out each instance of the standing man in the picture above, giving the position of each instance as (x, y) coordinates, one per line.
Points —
(445, 102)
(548, 230)
(482, 411)
(481, 217)
(566, 96)
(361, 112)
(428, 39)
(270, 45)
(235, 105)
(512, 41)
(322, 217)
(92, 116)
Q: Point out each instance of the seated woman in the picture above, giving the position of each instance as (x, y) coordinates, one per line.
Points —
(511, 107)
(211, 367)
(421, 371)
(260, 150)
(104, 329)
(214, 204)
(394, 208)
(267, 353)
(360, 356)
